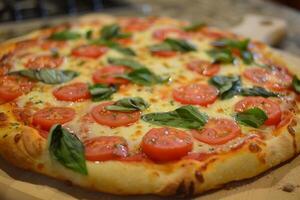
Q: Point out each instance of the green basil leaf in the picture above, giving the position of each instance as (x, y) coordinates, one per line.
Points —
(221, 55)
(48, 76)
(160, 47)
(170, 44)
(296, 84)
(67, 149)
(183, 117)
(114, 45)
(126, 62)
(227, 43)
(247, 57)
(194, 27)
(101, 92)
(254, 117)
(128, 105)
(65, 35)
(89, 34)
(110, 31)
(228, 86)
(258, 91)
(144, 76)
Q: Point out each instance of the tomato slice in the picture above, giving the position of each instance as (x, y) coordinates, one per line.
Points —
(113, 118)
(137, 24)
(204, 67)
(12, 87)
(196, 94)
(286, 118)
(108, 75)
(217, 131)
(104, 148)
(166, 144)
(164, 54)
(276, 78)
(51, 44)
(271, 108)
(45, 61)
(162, 34)
(124, 41)
(89, 51)
(47, 117)
(73, 92)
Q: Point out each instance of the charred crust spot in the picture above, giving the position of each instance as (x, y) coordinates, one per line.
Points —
(191, 189)
(40, 166)
(199, 176)
(291, 130)
(181, 189)
(17, 137)
(3, 117)
(254, 148)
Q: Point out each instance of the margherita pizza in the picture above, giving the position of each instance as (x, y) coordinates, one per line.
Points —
(146, 105)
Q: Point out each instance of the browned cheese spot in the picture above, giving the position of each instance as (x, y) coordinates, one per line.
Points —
(254, 148)
(199, 176)
(17, 137)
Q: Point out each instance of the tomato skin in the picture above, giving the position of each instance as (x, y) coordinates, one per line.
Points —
(45, 61)
(89, 51)
(286, 118)
(113, 118)
(47, 117)
(137, 24)
(162, 34)
(271, 108)
(196, 94)
(166, 144)
(50, 44)
(217, 131)
(72, 92)
(104, 148)
(107, 75)
(276, 78)
(164, 54)
(204, 67)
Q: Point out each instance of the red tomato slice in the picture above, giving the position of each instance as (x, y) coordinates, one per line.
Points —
(217, 131)
(196, 94)
(271, 108)
(164, 54)
(276, 78)
(50, 44)
(286, 118)
(45, 61)
(72, 92)
(162, 34)
(113, 118)
(89, 51)
(204, 67)
(108, 75)
(105, 148)
(12, 87)
(124, 41)
(137, 24)
(166, 144)
(47, 117)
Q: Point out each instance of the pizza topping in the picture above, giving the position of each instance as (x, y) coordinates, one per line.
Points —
(164, 54)
(254, 117)
(101, 92)
(128, 105)
(286, 117)
(137, 24)
(194, 27)
(111, 75)
(48, 76)
(89, 51)
(112, 31)
(89, 34)
(125, 62)
(217, 131)
(45, 61)
(113, 118)
(271, 108)
(53, 44)
(73, 92)
(162, 34)
(104, 148)
(196, 94)
(114, 45)
(296, 84)
(183, 117)
(65, 35)
(275, 78)
(170, 44)
(221, 56)
(204, 67)
(67, 149)
(47, 117)
(166, 144)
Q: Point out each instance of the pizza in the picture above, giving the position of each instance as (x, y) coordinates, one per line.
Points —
(128, 105)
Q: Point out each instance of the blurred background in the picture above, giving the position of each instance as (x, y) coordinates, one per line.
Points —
(18, 17)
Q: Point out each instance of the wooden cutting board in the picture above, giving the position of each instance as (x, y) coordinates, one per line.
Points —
(18, 184)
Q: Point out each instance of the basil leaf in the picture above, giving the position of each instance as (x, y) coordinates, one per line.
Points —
(67, 149)
(110, 31)
(144, 76)
(194, 27)
(160, 47)
(128, 105)
(183, 117)
(228, 86)
(173, 45)
(296, 84)
(65, 35)
(125, 50)
(221, 55)
(126, 62)
(89, 34)
(48, 76)
(101, 92)
(254, 117)
(258, 91)
(114, 45)
(247, 57)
